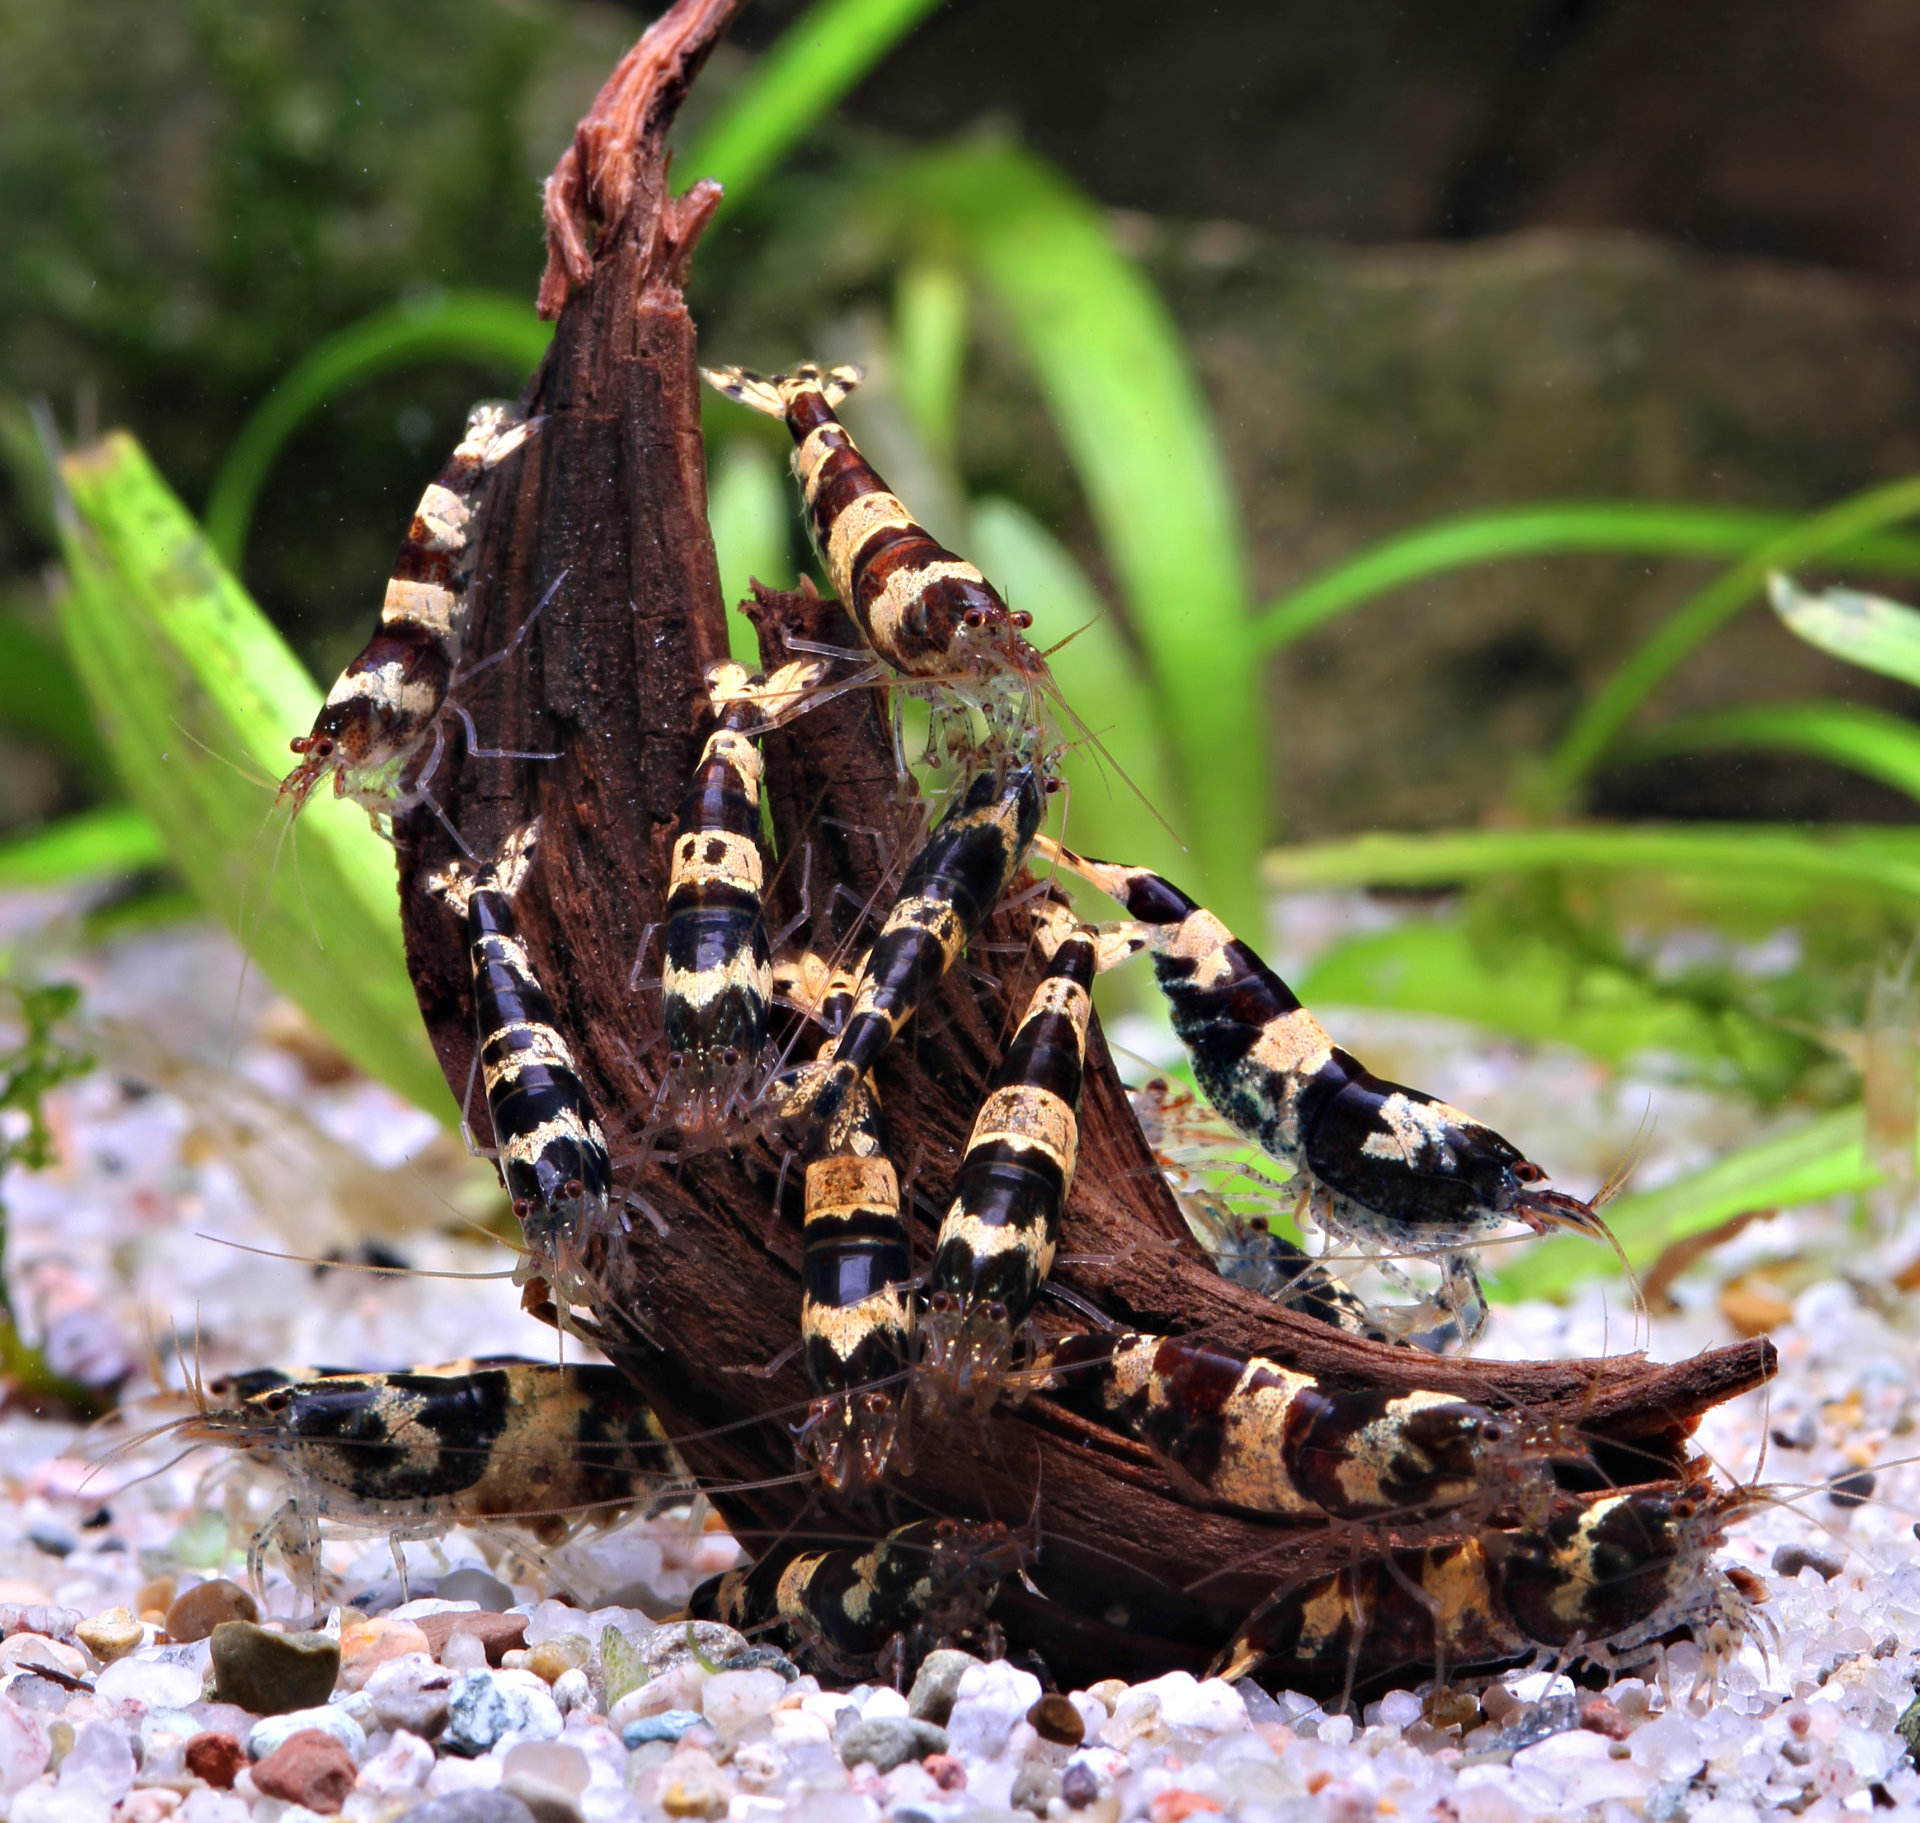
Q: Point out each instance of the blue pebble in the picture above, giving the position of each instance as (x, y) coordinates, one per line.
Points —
(669, 1725)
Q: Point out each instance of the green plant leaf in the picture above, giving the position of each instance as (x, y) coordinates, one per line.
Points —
(1114, 377)
(1550, 528)
(191, 685)
(1865, 630)
(930, 352)
(1819, 1158)
(814, 62)
(1100, 674)
(1881, 746)
(1600, 723)
(43, 698)
(481, 326)
(93, 845)
(1880, 864)
(1536, 991)
(752, 526)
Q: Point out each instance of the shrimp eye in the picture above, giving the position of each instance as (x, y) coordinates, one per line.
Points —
(1527, 1172)
(676, 1060)
(997, 1312)
(976, 618)
(323, 747)
(729, 1057)
(1053, 785)
(523, 1206)
(1022, 619)
(300, 743)
(574, 1188)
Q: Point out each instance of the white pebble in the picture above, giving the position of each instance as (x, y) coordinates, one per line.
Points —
(571, 1691)
(143, 1679)
(46, 1802)
(732, 1699)
(1668, 1747)
(404, 1763)
(1398, 1709)
(100, 1761)
(991, 1702)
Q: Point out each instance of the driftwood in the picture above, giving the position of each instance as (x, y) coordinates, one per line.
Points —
(612, 493)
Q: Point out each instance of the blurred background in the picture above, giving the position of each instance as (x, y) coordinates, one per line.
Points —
(1411, 404)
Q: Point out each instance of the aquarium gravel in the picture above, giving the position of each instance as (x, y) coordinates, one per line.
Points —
(212, 1123)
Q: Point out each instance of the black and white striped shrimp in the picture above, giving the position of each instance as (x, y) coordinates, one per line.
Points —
(1002, 1225)
(1384, 1167)
(552, 1155)
(928, 615)
(948, 890)
(386, 705)
(1605, 1578)
(856, 1301)
(716, 983)
(1241, 1430)
(857, 1611)
(533, 1447)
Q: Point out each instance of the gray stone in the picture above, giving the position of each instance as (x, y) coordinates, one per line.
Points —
(1791, 1559)
(471, 1584)
(1908, 1729)
(706, 1640)
(931, 1699)
(888, 1741)
(272, 1673)
(1079, 1785)
(763, 1658)
(1036, 1785)
(485, 1706)
(669, 1725)
(472, 1807)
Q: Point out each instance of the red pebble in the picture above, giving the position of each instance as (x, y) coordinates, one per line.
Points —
(309, 1768)
(945, 1771)
(1176, 1806)
(217, 1758)
(1601, 1717)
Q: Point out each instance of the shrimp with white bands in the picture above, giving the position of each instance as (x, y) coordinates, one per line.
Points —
(1384, 1167)
(385, 706)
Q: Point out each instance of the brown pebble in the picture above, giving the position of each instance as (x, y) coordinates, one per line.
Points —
(309, 1768)
(552, 1659)
(111, 1635)
(194, 1615)
(697, 1796)
(217, 1758)
(945, 1771)
(499, 1633)
(155, 1598)
(1598, 1716)
(1055, 1719)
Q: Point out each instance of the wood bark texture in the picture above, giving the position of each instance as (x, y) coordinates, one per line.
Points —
(609, 503)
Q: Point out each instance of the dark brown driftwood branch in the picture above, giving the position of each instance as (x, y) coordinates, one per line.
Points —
(611, 504)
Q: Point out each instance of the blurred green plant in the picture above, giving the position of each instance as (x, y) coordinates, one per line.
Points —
(37, 1062)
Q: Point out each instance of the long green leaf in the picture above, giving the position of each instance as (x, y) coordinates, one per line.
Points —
(1550, 528)
(814, 63)
(1111, 370)
(1099, 673)
(189, 684)
(752, 528)
(1600, 723)
(1865, 630)
(1821, 1157)
(480, 326)
(1869, 741)
(1878, 864)
(92, 845)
